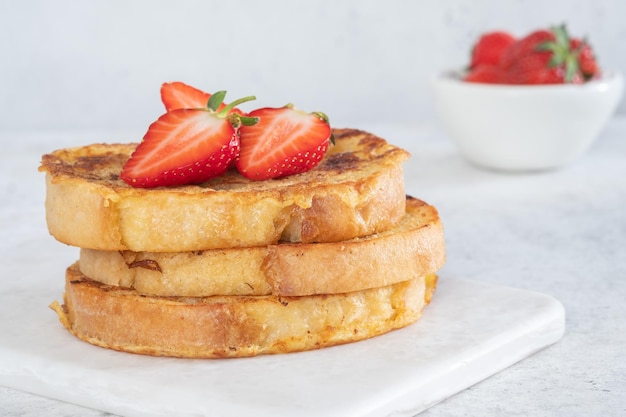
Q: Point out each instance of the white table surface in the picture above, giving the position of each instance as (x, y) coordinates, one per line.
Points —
(561, 233)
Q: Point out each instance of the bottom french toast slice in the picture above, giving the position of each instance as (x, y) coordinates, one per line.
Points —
(234, 326)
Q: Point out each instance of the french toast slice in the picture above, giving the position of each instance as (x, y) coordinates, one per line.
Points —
(410, 249)
(234, 326)
(357, 190)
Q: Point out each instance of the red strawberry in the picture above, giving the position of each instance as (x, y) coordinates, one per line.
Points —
(178, 95)
(187, 146)
(489, 48)
(534, 69)
(542, 58)
(489, 74)
(285, 141)
(586, 58)
(525, 46)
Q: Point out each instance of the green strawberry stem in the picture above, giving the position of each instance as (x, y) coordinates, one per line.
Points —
(321, 116)
(235, 119)
(562, 55)
(217, 98)
(235, 103)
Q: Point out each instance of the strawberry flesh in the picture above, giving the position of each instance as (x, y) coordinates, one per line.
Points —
(199, 138)
(178, 95)
(184, 146)
(284, 141)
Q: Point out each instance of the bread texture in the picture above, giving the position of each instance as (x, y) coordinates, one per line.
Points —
(237, 268)
(234, 326)
(357, 190)
(412, 248)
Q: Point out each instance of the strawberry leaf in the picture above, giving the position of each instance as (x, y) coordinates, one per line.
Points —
(561, 53)
(571, 67)
(561, 36)
(248, 121)
(216, 100)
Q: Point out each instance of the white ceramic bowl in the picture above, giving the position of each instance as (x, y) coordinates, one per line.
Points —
(525, 128)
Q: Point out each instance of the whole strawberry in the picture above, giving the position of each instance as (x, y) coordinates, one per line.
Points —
(586, 58)
(525, 46)
(485, 73)
(535, 69)
(542, 57)
(489, 48)
(187, 146)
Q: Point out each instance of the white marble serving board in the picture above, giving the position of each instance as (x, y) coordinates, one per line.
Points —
(470, 331)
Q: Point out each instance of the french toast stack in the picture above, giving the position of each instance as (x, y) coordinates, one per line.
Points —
(233, 267)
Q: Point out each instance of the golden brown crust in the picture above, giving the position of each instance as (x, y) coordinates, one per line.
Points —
(358, 189)
(412, 248)
(233, 326)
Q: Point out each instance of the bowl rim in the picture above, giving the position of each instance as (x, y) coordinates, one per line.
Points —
(607, 79)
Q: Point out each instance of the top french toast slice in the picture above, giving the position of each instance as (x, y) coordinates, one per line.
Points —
(358, 189)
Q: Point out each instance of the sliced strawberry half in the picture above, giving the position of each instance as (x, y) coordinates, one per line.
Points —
(178, 95)
(187, 146)
(283, 142)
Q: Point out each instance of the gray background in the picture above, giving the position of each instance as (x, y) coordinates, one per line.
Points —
(99, 64)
